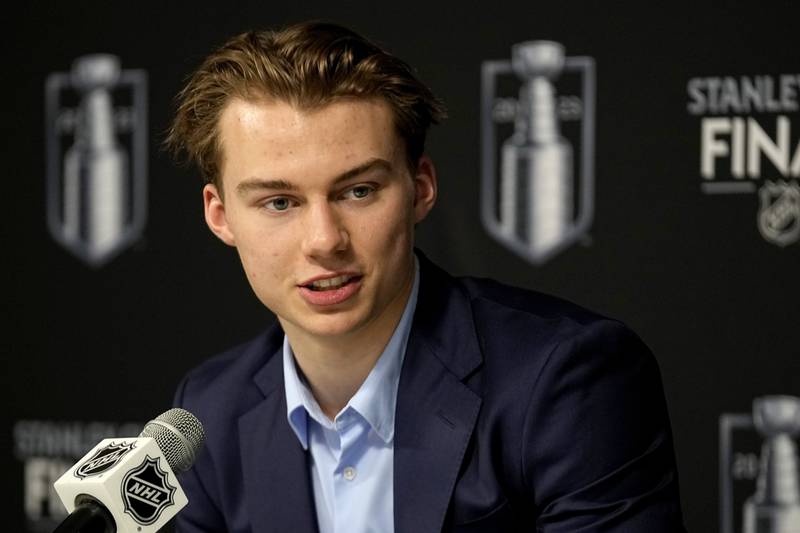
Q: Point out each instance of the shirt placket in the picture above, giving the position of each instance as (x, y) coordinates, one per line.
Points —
(352, 431)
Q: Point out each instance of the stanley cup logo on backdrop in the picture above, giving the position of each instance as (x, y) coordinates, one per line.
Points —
(96, 131)
(775, 506)
(772, 502)
(537, 137)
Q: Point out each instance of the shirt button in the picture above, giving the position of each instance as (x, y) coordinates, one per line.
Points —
(349, 473)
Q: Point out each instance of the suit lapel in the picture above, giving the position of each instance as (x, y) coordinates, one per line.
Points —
(436, 412)
(276, 473)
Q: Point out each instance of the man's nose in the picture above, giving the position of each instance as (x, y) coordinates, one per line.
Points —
(325, 233)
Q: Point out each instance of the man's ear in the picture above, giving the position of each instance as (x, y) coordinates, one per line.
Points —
(216, 219)
(425, 188)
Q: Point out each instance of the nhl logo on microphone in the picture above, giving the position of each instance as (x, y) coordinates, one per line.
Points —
(146, 491)
(140, 489)
(537, 149)
(104, 459)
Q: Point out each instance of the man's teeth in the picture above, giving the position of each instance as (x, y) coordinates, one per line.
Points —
(330, 283)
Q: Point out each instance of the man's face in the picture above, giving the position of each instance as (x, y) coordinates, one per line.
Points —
(321, 207)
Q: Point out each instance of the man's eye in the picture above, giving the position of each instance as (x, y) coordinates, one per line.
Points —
(278, 204)
(361, 191)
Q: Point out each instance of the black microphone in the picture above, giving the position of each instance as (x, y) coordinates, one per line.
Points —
(128, 485)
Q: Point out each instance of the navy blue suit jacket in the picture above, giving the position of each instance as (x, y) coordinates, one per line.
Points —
(515, 412)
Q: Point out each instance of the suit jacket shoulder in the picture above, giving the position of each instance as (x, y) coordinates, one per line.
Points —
(575, 402)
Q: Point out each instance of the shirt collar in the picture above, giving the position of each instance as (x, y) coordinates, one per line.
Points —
(375, 400)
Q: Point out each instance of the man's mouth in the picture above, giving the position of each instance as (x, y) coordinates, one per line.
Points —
(331, 284)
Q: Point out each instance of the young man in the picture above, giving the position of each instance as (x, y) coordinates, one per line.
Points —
(390, 396)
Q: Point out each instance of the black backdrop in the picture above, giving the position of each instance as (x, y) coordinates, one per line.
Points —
(90, 349)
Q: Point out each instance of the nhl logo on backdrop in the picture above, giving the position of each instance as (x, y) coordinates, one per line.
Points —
(96, 134)
(537, 147)
(779, 212)
(104, 459)
(146, 491)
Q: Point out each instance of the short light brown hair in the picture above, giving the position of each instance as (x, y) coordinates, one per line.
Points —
(307, 65)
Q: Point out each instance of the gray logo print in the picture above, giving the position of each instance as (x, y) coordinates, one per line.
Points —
(96, 132)
(537, 122)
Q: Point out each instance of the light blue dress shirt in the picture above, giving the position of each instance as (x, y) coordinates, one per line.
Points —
(352, 457)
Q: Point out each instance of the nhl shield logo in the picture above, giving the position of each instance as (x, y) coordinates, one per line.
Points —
(96, 133)
(537, 144)
(104, 459)
(146, 492)
(779, 212)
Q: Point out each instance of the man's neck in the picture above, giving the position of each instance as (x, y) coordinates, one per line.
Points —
(335, 367)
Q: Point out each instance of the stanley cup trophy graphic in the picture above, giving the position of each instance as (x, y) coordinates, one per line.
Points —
(95, 168)
(536, 165)
(533, 202)
(775, 506)
(96, 184)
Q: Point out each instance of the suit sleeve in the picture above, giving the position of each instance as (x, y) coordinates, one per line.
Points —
(202, 514)
(597, 451)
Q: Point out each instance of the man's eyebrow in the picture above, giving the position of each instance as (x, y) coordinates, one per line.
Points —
(256, 184)
(372, 164)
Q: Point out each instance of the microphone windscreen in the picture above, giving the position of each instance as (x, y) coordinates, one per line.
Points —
(179, 435)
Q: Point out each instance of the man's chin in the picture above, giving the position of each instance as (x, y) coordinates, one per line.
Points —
(330, 326)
